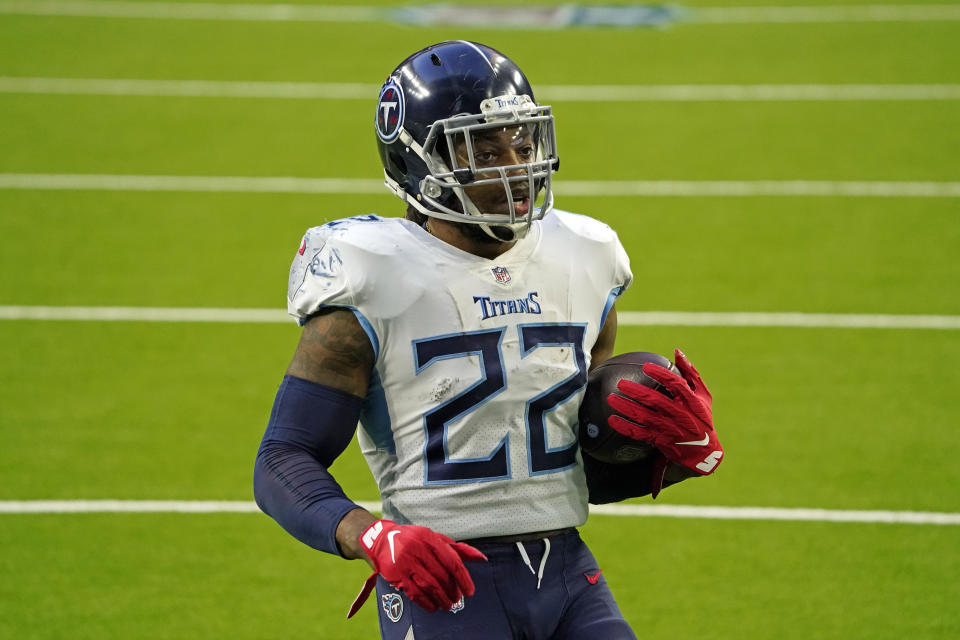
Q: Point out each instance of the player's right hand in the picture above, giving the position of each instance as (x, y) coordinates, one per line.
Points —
(427, 566)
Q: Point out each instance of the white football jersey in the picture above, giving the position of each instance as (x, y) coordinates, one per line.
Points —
(470, 422)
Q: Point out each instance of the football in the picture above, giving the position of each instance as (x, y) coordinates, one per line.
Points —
(597, 438)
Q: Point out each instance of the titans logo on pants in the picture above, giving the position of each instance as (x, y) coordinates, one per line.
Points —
(393, 606)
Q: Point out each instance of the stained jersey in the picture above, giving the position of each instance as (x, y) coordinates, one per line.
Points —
(470, 422)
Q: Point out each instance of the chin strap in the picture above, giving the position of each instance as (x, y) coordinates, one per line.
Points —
(513, 231)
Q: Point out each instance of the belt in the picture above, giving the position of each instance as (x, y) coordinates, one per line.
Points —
(520, 537)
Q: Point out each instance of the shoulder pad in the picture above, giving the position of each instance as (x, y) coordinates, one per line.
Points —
(597, 242)
(583, 226)
(333, 261)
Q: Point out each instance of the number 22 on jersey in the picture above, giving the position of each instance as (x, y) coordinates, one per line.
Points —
(487, 346)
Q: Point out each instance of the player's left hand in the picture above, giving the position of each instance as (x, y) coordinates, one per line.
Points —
(680, 427)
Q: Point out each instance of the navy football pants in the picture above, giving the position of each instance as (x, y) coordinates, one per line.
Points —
(573, 601)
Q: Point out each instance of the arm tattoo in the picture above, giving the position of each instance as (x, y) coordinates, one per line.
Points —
(603, 348)
(334, 350)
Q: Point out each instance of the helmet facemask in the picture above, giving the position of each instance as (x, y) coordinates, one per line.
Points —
(460, 184)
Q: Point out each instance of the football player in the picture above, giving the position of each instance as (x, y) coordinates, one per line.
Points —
(460, 337)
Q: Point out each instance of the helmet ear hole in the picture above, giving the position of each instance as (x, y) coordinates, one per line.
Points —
(401, 165)
(395, 166)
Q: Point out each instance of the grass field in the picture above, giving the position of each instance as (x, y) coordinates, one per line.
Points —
(823, 418)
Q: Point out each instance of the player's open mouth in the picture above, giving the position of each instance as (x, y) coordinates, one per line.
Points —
(521, 206)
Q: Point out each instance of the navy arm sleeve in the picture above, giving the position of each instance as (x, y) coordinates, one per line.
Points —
(310, 425)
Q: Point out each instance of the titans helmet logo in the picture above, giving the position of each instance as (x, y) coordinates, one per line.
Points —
(390, 112)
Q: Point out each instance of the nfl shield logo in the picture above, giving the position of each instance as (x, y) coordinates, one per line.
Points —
(501, 274)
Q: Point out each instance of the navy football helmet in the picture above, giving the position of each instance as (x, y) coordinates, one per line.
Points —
(434, 109)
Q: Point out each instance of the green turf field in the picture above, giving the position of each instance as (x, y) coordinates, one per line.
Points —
(821, 418)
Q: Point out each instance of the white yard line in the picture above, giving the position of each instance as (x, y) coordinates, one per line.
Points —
(592, 188)
(146, 314)
(242, 184)
(809, 320)
(836, 13)
(772, 513)
(514, 16)
(139, 506)
(194, 10)
(739, 188)
(546, 93)
(626, 318)
(622, 510)
(747, 92)
(191, 88)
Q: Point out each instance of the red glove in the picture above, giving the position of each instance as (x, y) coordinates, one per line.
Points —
(425, 565)
(681, 427)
